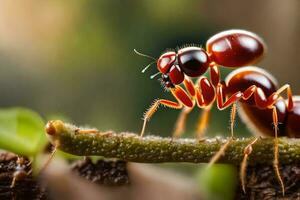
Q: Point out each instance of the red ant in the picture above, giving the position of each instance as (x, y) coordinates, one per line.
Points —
(234, 48)
(256, 91)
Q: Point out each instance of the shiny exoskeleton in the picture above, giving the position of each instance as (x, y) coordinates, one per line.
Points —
(262, 104)
(234, 48)
(256, 111)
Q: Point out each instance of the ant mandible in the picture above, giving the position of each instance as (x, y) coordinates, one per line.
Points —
(259, 97)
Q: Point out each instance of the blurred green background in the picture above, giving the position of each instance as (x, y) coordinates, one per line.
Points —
(75, 58)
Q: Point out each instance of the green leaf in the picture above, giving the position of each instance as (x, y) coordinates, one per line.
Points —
(21, 131)
(217, 182)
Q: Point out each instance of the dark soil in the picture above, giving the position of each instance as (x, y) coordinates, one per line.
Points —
(263, 184)
(109, 173)
(261, 181)
(27, 188)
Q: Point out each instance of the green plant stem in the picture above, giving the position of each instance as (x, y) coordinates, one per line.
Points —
(153, 149)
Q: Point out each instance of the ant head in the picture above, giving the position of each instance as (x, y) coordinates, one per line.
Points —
(171, 72)
(167, 66)
(166, 61)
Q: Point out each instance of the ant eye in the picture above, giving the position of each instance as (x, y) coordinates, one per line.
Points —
(165, 62)
(193, 61)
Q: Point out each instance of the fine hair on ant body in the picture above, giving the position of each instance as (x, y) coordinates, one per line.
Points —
(260, 100)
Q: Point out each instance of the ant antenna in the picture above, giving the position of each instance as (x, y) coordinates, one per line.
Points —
(145, 68)
(144, 55)
(147, 56)
(152, 77)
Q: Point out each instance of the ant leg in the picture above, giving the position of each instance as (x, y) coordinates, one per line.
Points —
(190, 87)
(215, 75)
(276, 162)
(222, 150)
(247, 152)
(183, 99)
(290, 103)
(263, 102)
(180, 123)
(203, 122)
(228, 102)
(232, 119)
(270, 104)
(154, 107)
(222, 105)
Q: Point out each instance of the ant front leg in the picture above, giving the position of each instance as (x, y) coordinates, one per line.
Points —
(181, 120)
(149, 113)
(183, 99)
(205, 97)
(215, 75)
(205, 114)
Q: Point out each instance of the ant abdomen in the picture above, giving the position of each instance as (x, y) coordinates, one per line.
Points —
(243, 78)
(235, 48)
(259, 120)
